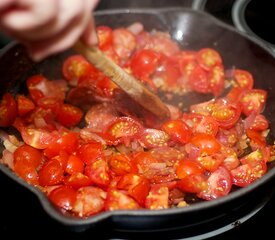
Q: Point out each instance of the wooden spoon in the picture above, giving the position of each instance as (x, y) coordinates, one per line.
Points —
(134, 88)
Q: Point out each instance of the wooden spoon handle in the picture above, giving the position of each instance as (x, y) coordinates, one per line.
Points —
(134, 88)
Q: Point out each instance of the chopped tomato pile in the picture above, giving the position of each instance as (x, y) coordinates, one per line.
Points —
(89, 150)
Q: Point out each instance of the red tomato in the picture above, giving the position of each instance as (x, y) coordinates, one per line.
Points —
(219, 184)
(29, 154)
(35, 137)
(227, 115)
(78, 180)
(25, 105)
(260, 123)
(39, 87)
(124, 42)
(243, 78)
(89, 201)
(119, 200)
(51, 173)
(121, 164)
(193, 183)
(98, 171)
(124, 128)
(253, 101)
(8, 110)
(63, 197)
(136, 185)
(74, 165)
(199, 81)
(105, 36)
(178, 130)
(69, 115)
(90, 152)
(206, 143)
(74, 67)
(144, 63)
(67, 142)
(157, 198)
(216, 79)
(152, 138)
(208, 58)
(188, 167)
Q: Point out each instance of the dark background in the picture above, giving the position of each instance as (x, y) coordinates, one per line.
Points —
(21, 213)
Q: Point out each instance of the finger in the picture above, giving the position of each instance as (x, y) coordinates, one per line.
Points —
(4, 4)
(29, 14)
(58, 43)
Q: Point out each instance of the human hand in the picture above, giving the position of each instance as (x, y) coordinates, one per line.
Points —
(47, 27)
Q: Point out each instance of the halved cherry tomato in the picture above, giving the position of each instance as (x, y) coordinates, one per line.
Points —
(90, 152)
(69, 115)
(157, 198)
(89, 201)
(105, 36)
(206, 143)
(144, 63)
(152, 138)
(64, 197)
(199, 81)
(8, 110)
(121, 164)
(28, 153)
(74, 67)
(136, 185)
(25, 105)
(68, 142)
(99, 172)
(51, 173)
(178, 130)
(119, 200)
(124, 42)
(208, 58)
(187, 167)
(253, 100)
(77, 180)
(74, 165)
(219, 184)
(243, 78)
(124, 128)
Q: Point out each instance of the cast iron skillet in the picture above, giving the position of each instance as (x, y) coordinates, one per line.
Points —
(193, 30)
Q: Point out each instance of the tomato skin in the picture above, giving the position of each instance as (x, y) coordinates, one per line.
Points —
(219, 184)
(198, 80)
(8, 110)
(25, 105)
(137, 186)
(74, 67)
(243, 78)
(119, 200)
(187, 167)
(253, 100)
(208, 58)
(157, 198)
(26, 162)
(29, 153)
(69, 115)
(152, 138)
(105, 36)
(144, 63)
(89, 201)
(74, 165)
(77, 180)
(90, 152)
(67, 142)
(64, 197)
(206, 143)
(51, 173)
(178, 130)
(121, 164)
